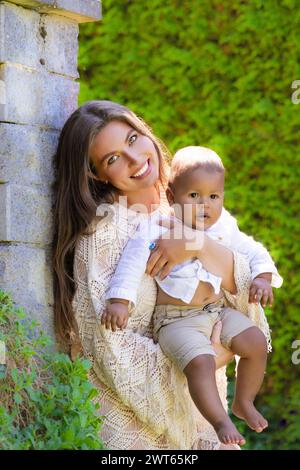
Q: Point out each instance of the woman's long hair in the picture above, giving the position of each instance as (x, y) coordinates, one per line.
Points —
(77, 194)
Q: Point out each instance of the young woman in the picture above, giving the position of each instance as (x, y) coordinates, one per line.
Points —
(108, 156)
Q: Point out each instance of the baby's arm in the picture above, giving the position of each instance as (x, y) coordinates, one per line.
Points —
(122, 291)
(263, 270)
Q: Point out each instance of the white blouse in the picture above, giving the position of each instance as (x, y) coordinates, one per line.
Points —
(183, 280)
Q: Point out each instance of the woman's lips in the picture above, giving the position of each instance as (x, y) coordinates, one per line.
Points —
(146, 172)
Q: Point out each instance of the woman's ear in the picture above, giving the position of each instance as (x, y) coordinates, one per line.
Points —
(93, 176)
(92, 173)
(170, 196)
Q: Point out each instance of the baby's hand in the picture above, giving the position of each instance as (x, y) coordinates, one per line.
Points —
(261, 289)
(115, 316)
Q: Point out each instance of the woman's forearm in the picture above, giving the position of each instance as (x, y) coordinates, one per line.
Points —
(218, 260)
(182, 243)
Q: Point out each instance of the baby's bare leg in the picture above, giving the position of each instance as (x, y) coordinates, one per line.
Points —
(251, 346)
(200, 374)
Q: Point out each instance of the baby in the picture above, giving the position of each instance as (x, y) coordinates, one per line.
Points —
(182, 326)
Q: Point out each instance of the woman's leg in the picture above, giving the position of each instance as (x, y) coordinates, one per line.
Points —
(251, 346)
(201, 377)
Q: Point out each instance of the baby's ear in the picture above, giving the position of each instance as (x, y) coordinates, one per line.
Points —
(170, 196)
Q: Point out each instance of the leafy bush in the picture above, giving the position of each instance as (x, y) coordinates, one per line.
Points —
(46, 401)
(219, 74)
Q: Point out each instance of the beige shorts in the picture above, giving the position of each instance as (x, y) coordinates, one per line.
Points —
(184, 332)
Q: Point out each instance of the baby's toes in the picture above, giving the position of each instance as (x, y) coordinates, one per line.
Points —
(242, 441)
(237, 439)
(261, 425)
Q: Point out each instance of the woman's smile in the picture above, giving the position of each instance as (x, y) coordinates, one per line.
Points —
(144, 171)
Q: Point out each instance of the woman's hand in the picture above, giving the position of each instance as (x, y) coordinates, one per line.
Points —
(176, 245)
(223, 355)
(181, 243)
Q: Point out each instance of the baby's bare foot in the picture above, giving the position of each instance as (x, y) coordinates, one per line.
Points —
(228, 434)
(247, 411)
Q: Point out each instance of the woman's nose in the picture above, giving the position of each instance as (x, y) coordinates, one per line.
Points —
(133, 157)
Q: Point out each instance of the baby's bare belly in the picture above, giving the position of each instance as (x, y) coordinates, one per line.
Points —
(204, 295)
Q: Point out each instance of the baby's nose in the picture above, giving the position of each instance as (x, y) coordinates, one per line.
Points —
(204, 202)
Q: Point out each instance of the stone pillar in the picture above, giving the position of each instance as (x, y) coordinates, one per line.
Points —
(38, 91)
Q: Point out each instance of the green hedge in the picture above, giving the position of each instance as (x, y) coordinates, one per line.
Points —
(219, 74)
(46, 400)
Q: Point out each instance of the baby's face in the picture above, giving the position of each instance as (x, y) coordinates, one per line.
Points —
(199, 196)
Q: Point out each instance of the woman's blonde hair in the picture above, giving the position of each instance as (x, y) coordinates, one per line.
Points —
(77, 194)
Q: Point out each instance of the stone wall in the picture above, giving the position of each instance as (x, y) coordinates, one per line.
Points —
(38, 91)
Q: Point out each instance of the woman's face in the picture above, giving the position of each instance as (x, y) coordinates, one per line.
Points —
(125, 158)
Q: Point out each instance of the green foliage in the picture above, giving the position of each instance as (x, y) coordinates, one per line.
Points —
(46, 401)
(219, 74)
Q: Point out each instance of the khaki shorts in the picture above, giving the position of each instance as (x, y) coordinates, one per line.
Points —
(184, 332)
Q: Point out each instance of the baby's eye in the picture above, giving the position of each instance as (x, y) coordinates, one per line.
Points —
(132, 138)
(214, 196)
(194, 195)
(110, 160)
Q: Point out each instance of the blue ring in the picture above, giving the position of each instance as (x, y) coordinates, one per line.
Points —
(152, 246)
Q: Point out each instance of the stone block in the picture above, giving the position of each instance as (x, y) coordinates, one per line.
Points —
(26, 154)
(39, 41)
(25, 272)
(25, 213)
(19, 41)
(80, 10)
(37, 98)
(60, 45)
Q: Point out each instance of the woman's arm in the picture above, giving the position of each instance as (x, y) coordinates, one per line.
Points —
(181, 243)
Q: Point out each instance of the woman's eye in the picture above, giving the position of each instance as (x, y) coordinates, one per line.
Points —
(111, 159)
(214, 196)
(132, 138)
(194, 195)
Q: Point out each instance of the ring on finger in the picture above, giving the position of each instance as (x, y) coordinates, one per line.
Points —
(160, 267)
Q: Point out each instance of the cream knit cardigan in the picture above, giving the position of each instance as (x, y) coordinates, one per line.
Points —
(144, 399)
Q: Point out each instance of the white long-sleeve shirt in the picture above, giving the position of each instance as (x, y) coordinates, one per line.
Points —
(183, 280)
